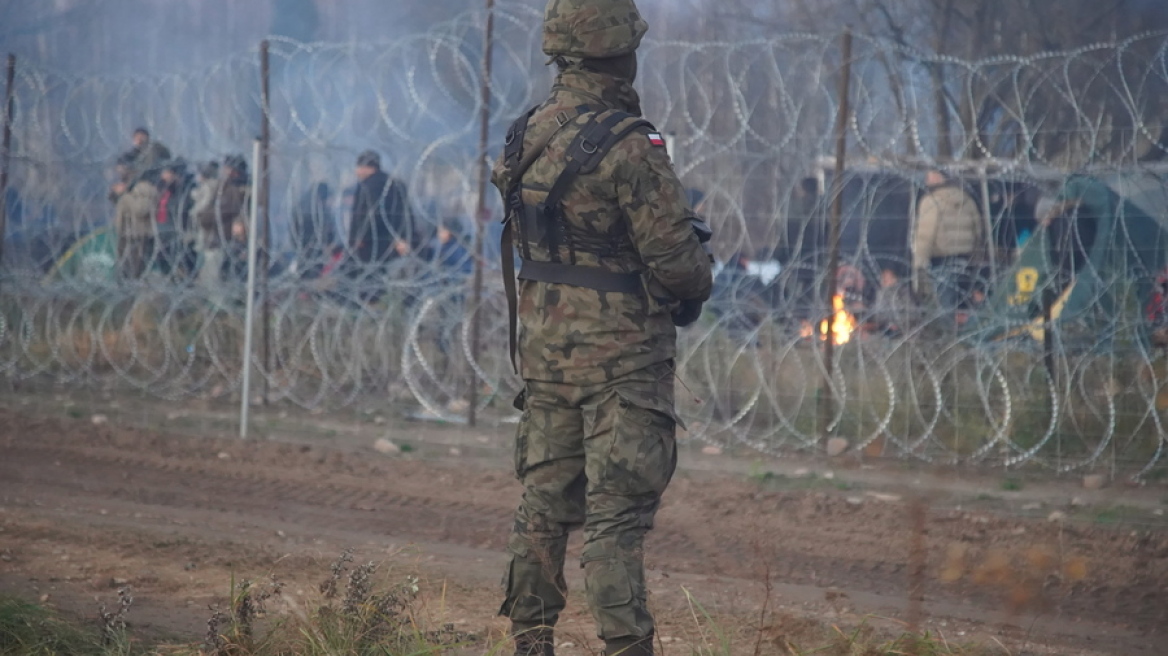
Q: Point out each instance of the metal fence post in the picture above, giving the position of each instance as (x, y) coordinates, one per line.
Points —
(248, 322)
(264, 203)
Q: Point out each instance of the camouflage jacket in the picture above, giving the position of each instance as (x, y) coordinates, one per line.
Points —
(634, 204)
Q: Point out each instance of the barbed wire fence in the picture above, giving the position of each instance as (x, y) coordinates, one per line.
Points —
(749, 125)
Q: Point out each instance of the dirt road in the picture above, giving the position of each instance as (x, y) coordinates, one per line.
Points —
(85, 508)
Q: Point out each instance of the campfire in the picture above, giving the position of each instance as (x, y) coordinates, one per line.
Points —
(842, 322)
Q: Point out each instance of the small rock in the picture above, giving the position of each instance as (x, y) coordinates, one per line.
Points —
(836, 446)
(117, 583)
(1076, 502)
(887, 498)
(856, 501)
(6, 558)
(1159, 512)
(802, 472)
(223, 455)
(280, 534)
(1094, 481)
(829, 475)
(1021, 530)
(379, 420)
(103, 511)
(712, 450)
(1032, 506)
(44, 598)
(567, 645)
(1057, 516)
(99, 420)
(386, 447)
(455, 451)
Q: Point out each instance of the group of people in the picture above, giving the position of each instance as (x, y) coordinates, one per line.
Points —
(945, 280)
(182, 223)
(194, 225)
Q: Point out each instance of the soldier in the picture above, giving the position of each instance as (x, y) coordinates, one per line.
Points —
(613, 258)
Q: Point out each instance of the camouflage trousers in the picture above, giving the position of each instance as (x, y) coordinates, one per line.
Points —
(598, 458)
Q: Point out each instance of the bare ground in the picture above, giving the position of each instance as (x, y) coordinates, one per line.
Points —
(86, 508)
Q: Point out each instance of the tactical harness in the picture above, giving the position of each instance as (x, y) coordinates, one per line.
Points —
(544, 224)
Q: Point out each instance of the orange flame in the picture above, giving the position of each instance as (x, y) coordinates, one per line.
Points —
(843, 324)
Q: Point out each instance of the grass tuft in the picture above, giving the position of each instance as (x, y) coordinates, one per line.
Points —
(31, 630)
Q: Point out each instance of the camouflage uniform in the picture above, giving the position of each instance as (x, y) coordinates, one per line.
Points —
(595, 446)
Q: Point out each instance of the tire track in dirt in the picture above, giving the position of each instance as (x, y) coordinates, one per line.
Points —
(727, 530)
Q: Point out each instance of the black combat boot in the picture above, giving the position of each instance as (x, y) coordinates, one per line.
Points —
(535, 642)
(629, 646)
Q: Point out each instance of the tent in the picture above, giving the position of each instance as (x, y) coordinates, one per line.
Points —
(92, 258)
(1104, 248)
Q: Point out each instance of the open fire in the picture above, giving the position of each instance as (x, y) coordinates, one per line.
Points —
(843, 324)
(842, 321)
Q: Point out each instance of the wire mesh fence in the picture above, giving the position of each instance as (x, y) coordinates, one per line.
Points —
(1050, 356)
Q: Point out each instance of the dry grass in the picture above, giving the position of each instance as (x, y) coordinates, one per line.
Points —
(363, 611)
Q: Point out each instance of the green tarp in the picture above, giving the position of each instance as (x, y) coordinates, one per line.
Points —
(1095, 264)
(92, 259)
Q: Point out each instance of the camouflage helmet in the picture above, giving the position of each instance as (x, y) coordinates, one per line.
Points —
(592, 29)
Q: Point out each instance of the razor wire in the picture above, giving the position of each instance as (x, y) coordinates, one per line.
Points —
(749, 123)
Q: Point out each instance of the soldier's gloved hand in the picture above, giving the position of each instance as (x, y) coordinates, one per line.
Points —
(687, 313)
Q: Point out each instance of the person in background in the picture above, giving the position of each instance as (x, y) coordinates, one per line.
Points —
(173, 217)
(146, 155)
(893, 307)
(948, 236)
(122, 176)
(449, 255)
(228, 206)
(202, 196)
(134, 216)
(381, 214)
(381, 229)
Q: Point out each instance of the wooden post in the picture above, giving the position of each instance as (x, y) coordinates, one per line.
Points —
(265, 216)
(481, 210)
(6, 148)
(827, 395)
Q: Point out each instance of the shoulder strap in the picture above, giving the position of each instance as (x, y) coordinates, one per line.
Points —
(590, 147)
(517, 164)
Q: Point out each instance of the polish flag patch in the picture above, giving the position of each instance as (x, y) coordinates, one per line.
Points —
(656, 139)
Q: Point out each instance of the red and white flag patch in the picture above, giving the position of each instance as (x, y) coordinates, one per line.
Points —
(656, 139)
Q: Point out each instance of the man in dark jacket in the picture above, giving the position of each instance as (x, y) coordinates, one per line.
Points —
(381, 214)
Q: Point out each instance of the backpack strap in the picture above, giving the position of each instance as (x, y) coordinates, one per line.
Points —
(587, 150)
(516, 163)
